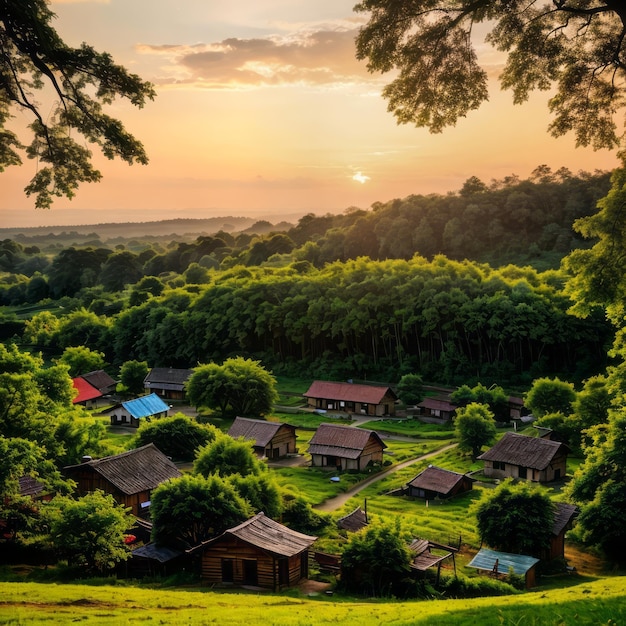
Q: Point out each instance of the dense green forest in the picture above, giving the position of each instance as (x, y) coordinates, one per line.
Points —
(404, 286)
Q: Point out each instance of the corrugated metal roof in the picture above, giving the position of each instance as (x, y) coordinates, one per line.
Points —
(259, 431)
(486, 560)
(348, 392)
(263, 532)
(532, 452)
(134, 471)
(145, 406)
(86, 391)
(344, 441)
(436, 479)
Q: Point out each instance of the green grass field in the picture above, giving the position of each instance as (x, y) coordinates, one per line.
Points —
(589, 602)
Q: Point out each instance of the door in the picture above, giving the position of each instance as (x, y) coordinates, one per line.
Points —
(522, 472)
(250, 575)
(227, 571)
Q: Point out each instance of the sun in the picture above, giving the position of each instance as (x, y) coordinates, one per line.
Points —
(360, 178)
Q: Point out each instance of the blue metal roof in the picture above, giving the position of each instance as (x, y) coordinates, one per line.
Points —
(145, 406)
(486, 559)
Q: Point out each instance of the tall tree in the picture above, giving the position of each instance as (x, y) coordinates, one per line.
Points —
(573, 47)
(80, 80)
(550, 395)
(475, 428)
(225, 456)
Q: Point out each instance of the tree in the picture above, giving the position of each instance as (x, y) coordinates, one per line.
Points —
(261, 491)
(191, 509)
(132, 375)
(515, 518)
(80, 81)
(225, 455)
(574, 48)
(410, 389)
(119, 270)
(82, 360)
(178, 436)
(238, 387)
(550, 395)
(90, 531)
(475, 428)
(375, 562)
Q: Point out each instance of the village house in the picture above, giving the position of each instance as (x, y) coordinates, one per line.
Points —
(500, 564)
(129, 477)
(271, 440)
(91, 387)
(531, 458)
(564, 516)
(167, 382)
(351, 398)
(435, 482)
(435, 410)
(131, 412)
(345, 447)
(259, 552)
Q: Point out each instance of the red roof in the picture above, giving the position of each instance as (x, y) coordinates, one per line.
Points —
(348, 392)
(85, 391)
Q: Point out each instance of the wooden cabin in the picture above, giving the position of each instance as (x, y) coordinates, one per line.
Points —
(564, 516)
(435, 410)
(259, 552)
(435, 482)
(167, 382)
(129, 477)
(371, 400)
(530, 458)
(345, 447)
(271, 440)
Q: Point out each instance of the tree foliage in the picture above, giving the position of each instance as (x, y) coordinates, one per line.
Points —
(576, 49)
(410, 389)
(225, 455)
(132, 375)
(80, 81)
(191, 509)
(475, 427)
(82, 360)
(515, 518)
(550, 395)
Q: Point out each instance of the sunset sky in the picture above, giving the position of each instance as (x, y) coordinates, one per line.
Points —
(262, 110)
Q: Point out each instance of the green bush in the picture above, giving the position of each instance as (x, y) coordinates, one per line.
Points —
(464, 587)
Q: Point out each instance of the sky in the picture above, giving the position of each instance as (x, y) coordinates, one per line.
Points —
(263, 110)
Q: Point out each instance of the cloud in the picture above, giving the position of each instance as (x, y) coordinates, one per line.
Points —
(359, 177)
(321, 57)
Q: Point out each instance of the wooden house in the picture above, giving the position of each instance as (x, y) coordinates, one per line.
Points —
(345, 447)
(435, 410)
(129, 477)
(427, 554)
(351, 398)
(259, 552)
(167, 382)
(354, 521)
(499, 564)
(435, 482)
(86, 394)
(564, 516)
(531, 458)
(270, 439)
(101, 381)
(131, 412)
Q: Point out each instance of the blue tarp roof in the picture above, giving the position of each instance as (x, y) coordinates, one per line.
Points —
(486, 559)
(145, 406)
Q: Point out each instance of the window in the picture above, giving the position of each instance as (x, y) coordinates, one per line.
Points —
(499, 465)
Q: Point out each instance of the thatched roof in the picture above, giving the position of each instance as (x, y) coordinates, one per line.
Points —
(264, 533)
(134, 471)
(437, 479)
(342, 441)
(259, 431)
(532, 452)
(348, 392)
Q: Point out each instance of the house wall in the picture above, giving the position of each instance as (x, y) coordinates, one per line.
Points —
(283, 443)
(273, 572)
(386, 407)
(167, 394)
(557, 469)
(371, 452)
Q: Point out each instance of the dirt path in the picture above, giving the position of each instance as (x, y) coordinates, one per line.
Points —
(332, 504)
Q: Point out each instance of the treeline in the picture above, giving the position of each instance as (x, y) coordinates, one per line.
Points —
(451, 321)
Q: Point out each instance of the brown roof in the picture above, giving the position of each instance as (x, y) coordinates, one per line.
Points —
(437, 403)
(266, 534)
(343, 441)
(134, 471)
(353, 521)
(167, 378)
(348, 392)
(30, 486)
(532, 452)
(423, 557)
(437, 479)
(259, 431)
(99, 379)
(564, 513)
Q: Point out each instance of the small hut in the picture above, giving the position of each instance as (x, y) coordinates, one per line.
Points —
(500, 564)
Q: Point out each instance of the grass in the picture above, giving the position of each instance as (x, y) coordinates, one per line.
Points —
(410, 428)
(588, 602)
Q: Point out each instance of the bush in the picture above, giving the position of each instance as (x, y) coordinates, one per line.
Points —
(480, 586)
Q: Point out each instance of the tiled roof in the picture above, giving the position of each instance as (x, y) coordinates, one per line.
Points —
(259, 431)
(437, 403)
(30, 486)
(85, 390)
(436, 479)
(263, 532)
(162, 376)
(532, 452)
(348, 392)
(344, 441)
(134, 471)
(145, 406)
(99, 379)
